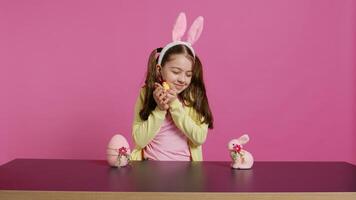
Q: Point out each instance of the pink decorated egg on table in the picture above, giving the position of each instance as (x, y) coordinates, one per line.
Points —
(118, 151)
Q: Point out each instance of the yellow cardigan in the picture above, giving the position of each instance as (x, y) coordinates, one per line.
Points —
(185, 118)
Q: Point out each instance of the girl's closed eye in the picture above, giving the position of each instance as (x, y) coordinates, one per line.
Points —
(176, 71)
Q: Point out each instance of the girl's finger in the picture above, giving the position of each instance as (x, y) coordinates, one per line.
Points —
(166, 106)
(157, 85)
(173, 92)
(166, 101)
(171, 97)
(156, 93)
(159, 92)
(170, 91)
(164, 94)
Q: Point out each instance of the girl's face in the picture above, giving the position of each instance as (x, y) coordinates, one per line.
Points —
(177, 72)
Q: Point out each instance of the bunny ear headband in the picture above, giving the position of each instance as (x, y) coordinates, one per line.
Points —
(178, 31)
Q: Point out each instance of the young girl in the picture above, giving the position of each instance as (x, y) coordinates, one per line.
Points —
(172, 123)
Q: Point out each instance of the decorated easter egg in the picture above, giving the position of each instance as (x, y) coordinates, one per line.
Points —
(118, 151)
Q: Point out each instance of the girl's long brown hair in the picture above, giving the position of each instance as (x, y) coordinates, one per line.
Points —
(194, 95)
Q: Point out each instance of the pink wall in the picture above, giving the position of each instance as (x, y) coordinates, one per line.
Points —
(282, 71)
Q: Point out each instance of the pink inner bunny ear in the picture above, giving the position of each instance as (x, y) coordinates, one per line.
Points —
(195, 30)
(179, 27)
(244, 139)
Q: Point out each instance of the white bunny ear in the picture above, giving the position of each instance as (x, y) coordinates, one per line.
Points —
(195, 30)
(244, 139)
(179, 27)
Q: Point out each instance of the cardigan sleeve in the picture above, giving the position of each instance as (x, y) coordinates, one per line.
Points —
(144, 131)
(188, 122)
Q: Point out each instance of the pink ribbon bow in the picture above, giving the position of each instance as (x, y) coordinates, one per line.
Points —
(237, 148)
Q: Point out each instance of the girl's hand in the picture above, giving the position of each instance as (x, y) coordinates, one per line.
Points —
(171, 96)
(160, 96)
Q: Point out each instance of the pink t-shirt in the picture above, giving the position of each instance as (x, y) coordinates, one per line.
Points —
(169, 144)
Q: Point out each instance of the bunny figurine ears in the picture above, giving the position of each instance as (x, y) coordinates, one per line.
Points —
(178, 32)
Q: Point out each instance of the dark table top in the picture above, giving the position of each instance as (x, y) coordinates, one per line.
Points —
(155, 176)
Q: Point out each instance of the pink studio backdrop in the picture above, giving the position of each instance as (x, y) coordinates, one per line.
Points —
(281, 71)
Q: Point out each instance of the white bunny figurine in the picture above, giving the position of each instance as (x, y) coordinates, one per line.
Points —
(241, 159)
